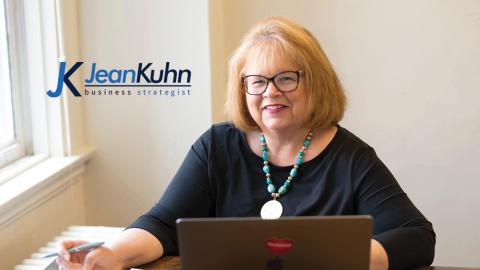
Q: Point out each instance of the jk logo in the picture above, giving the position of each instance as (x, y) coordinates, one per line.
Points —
(64, 78)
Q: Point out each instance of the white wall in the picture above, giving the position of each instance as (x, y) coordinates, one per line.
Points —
(410, 69)
(141, 140)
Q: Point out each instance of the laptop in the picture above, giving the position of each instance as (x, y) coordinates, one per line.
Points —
(320, 242)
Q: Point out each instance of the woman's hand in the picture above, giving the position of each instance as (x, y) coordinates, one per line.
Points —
(132, 247)
(99, 258)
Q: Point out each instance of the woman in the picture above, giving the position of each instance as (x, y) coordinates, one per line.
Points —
(283, 154)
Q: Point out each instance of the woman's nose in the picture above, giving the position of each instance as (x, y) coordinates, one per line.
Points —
(271, 90)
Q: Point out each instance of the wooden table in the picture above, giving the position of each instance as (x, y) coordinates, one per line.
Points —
(165, 263)
(173, 263)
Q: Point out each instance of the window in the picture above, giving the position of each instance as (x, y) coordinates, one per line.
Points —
(12, 143)
(33, 127)
(37, 156)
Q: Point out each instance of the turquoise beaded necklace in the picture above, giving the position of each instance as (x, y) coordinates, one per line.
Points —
(273, 209)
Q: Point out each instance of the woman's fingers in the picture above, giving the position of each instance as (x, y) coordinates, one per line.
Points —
(64, 245)
(64, 254)
(78, 257)
(67, 265)
(91, 259)
(98, 258)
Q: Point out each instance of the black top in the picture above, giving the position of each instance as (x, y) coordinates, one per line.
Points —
(222, 177)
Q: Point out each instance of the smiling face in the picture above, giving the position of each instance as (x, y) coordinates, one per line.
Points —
(276, 111)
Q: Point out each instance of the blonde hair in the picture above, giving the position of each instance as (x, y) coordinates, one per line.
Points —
(279, 37)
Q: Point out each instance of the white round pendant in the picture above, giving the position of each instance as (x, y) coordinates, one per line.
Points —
(271, 210)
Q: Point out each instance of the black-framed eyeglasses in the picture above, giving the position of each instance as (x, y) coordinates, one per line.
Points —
(286, 81)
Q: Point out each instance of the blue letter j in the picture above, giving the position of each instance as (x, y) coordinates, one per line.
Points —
(64, 78)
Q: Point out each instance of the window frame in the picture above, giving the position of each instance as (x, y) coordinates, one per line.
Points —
(18, 147)
(36, 47)
(59, 153)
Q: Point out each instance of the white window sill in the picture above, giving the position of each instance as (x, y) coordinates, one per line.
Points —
(19, 166)
(38, 184)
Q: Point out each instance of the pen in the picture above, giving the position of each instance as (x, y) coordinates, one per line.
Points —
(86, 246)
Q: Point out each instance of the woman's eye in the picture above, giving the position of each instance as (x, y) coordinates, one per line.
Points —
(286, 79)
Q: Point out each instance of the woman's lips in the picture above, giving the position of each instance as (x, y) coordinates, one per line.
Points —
(274, 108)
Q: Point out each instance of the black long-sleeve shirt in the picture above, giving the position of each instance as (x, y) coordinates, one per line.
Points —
(222, 177)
